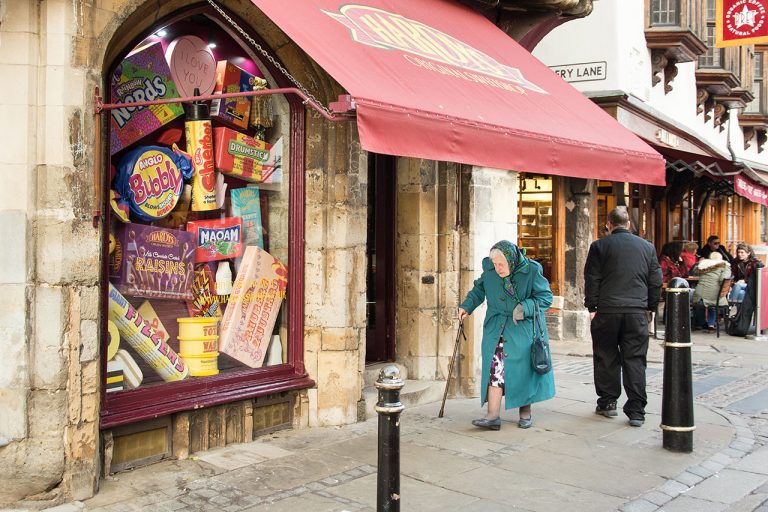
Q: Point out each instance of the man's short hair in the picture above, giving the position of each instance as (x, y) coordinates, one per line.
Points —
(712, 238)
(619, 217)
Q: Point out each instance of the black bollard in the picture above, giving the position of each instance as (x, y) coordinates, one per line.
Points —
(677, 394)
(389, 408)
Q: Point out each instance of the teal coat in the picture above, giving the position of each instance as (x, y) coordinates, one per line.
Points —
(522, 386)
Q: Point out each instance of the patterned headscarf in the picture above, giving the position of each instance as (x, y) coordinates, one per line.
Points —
(517, 263)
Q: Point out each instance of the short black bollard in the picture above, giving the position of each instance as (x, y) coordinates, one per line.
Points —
(389, 408)
(677, 394)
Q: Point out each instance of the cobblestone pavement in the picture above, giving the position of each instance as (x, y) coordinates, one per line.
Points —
(570, 456)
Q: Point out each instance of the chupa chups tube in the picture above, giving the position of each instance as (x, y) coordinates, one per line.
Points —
(199, 135)
(144, 340)
(150, 179)
(217, 239)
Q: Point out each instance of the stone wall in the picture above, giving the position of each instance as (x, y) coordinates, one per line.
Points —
(50, 266)
(426, 262)
(490, 211)
(579, 229)
(56, 52)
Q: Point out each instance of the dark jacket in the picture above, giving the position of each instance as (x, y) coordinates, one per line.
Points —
(622, 274)
(741, 270)
(705, 251)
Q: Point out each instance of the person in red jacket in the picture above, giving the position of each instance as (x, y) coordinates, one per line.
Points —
(670, 262)
(688, 256)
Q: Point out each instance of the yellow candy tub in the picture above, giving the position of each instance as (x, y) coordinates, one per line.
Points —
(202, 365)
(198, 327)
(199, 346)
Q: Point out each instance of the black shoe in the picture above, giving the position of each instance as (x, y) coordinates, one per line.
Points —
(636, 421)
(489, 424)
(609, 411)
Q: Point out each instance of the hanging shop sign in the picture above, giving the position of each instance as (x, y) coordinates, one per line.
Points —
(740, 22)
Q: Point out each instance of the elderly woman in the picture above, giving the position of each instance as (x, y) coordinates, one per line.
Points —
(514, 286)
(712, 271)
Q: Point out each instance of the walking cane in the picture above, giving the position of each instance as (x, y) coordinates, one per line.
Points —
(459, 334)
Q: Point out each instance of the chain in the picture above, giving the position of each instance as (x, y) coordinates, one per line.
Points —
(267, 56)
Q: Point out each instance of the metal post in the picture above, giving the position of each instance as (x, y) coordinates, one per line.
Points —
(389, 408)
(758, 336)
(677, 394)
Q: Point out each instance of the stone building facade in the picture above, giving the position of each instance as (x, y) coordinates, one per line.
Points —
(54, 54)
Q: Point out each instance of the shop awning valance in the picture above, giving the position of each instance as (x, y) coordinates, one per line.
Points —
(434, 79)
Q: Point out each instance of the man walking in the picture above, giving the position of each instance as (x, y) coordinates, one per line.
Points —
(622, 283)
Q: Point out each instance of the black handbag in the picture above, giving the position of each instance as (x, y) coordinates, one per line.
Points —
(541, 359)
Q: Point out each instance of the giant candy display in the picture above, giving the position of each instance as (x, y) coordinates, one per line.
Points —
(192, 65)
(153, 262)
(243, 156)
(150, 180)
(232, 111)
(144, 340)
(246, 205)
(257, 294)
(217, 239)
(143, 76)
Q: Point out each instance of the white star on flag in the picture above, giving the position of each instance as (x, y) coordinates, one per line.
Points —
(745, 17)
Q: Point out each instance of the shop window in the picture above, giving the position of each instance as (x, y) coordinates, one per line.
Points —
(202, 200)
(535, 220)
(665, 13)
(734, 222)
(682, 217)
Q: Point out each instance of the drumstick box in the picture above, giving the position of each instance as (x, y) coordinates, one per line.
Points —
(257, 294)
(153, 262)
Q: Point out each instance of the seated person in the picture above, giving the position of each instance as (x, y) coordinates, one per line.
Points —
(714, 245)
(742, 267)
(688, 256)
(706, 297)
(670, 263)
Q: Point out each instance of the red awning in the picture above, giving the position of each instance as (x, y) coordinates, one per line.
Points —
(434, 79)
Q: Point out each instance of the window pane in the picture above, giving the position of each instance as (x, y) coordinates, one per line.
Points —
(713, 57)
(758, 66)
(711, 10)
(664, 12)
(757, 91)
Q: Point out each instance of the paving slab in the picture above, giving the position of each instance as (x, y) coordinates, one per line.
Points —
(534, 493)
(727, 486)
(453, 441)
(416, 495)
(689, 504)
(588, 474)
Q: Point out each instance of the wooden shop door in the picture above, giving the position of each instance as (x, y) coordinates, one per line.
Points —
(380, 300)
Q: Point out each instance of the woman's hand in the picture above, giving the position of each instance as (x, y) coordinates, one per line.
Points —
(462, 315)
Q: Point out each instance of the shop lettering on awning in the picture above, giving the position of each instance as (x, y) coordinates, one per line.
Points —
(745, 188)
(436, 80)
